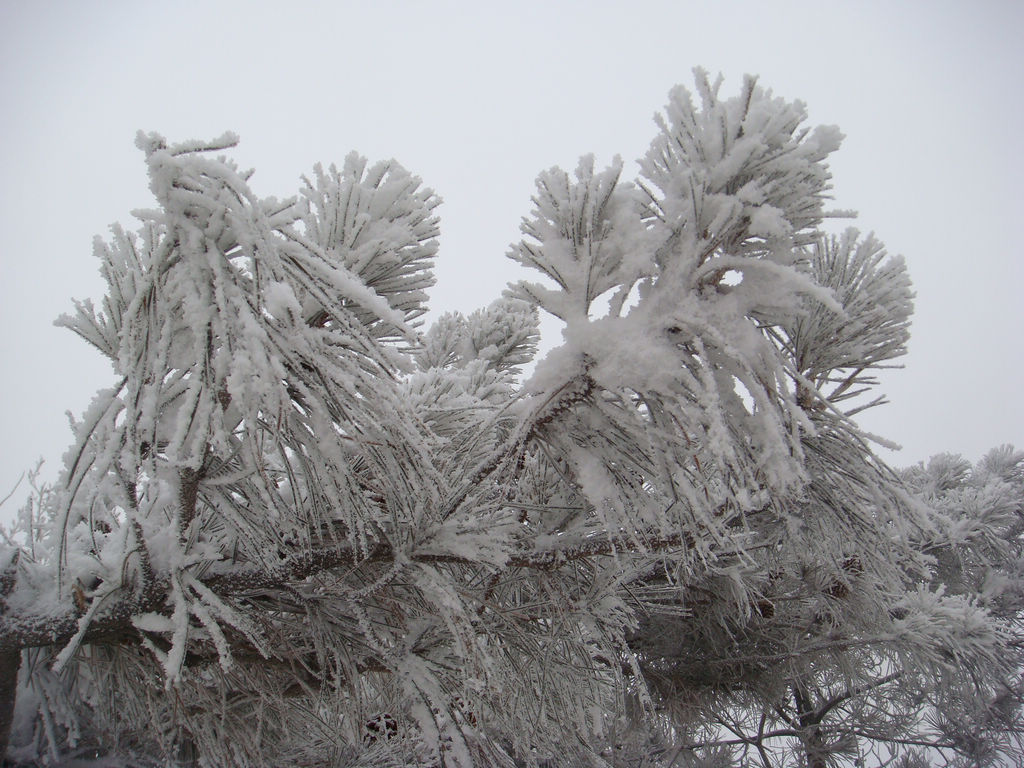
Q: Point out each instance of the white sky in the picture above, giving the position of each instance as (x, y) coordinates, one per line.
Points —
(477, 98)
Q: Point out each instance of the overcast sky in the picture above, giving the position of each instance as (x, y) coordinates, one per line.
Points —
(477, 98)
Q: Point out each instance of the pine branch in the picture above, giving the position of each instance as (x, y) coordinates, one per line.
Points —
(26, 631)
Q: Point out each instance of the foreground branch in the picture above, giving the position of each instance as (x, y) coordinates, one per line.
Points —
(28, 631)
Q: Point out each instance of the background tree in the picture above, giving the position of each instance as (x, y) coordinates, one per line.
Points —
(978, 556)
(296, 531)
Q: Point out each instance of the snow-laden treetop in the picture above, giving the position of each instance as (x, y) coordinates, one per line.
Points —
(294, 491)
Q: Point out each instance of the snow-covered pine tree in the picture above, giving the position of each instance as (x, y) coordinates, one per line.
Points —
(978, 557)
(928, 701)
(298, 531)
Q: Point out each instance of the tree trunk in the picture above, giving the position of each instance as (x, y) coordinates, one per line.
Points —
(815, 749)
(810, 726)
(10, 663)
(10, 659)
